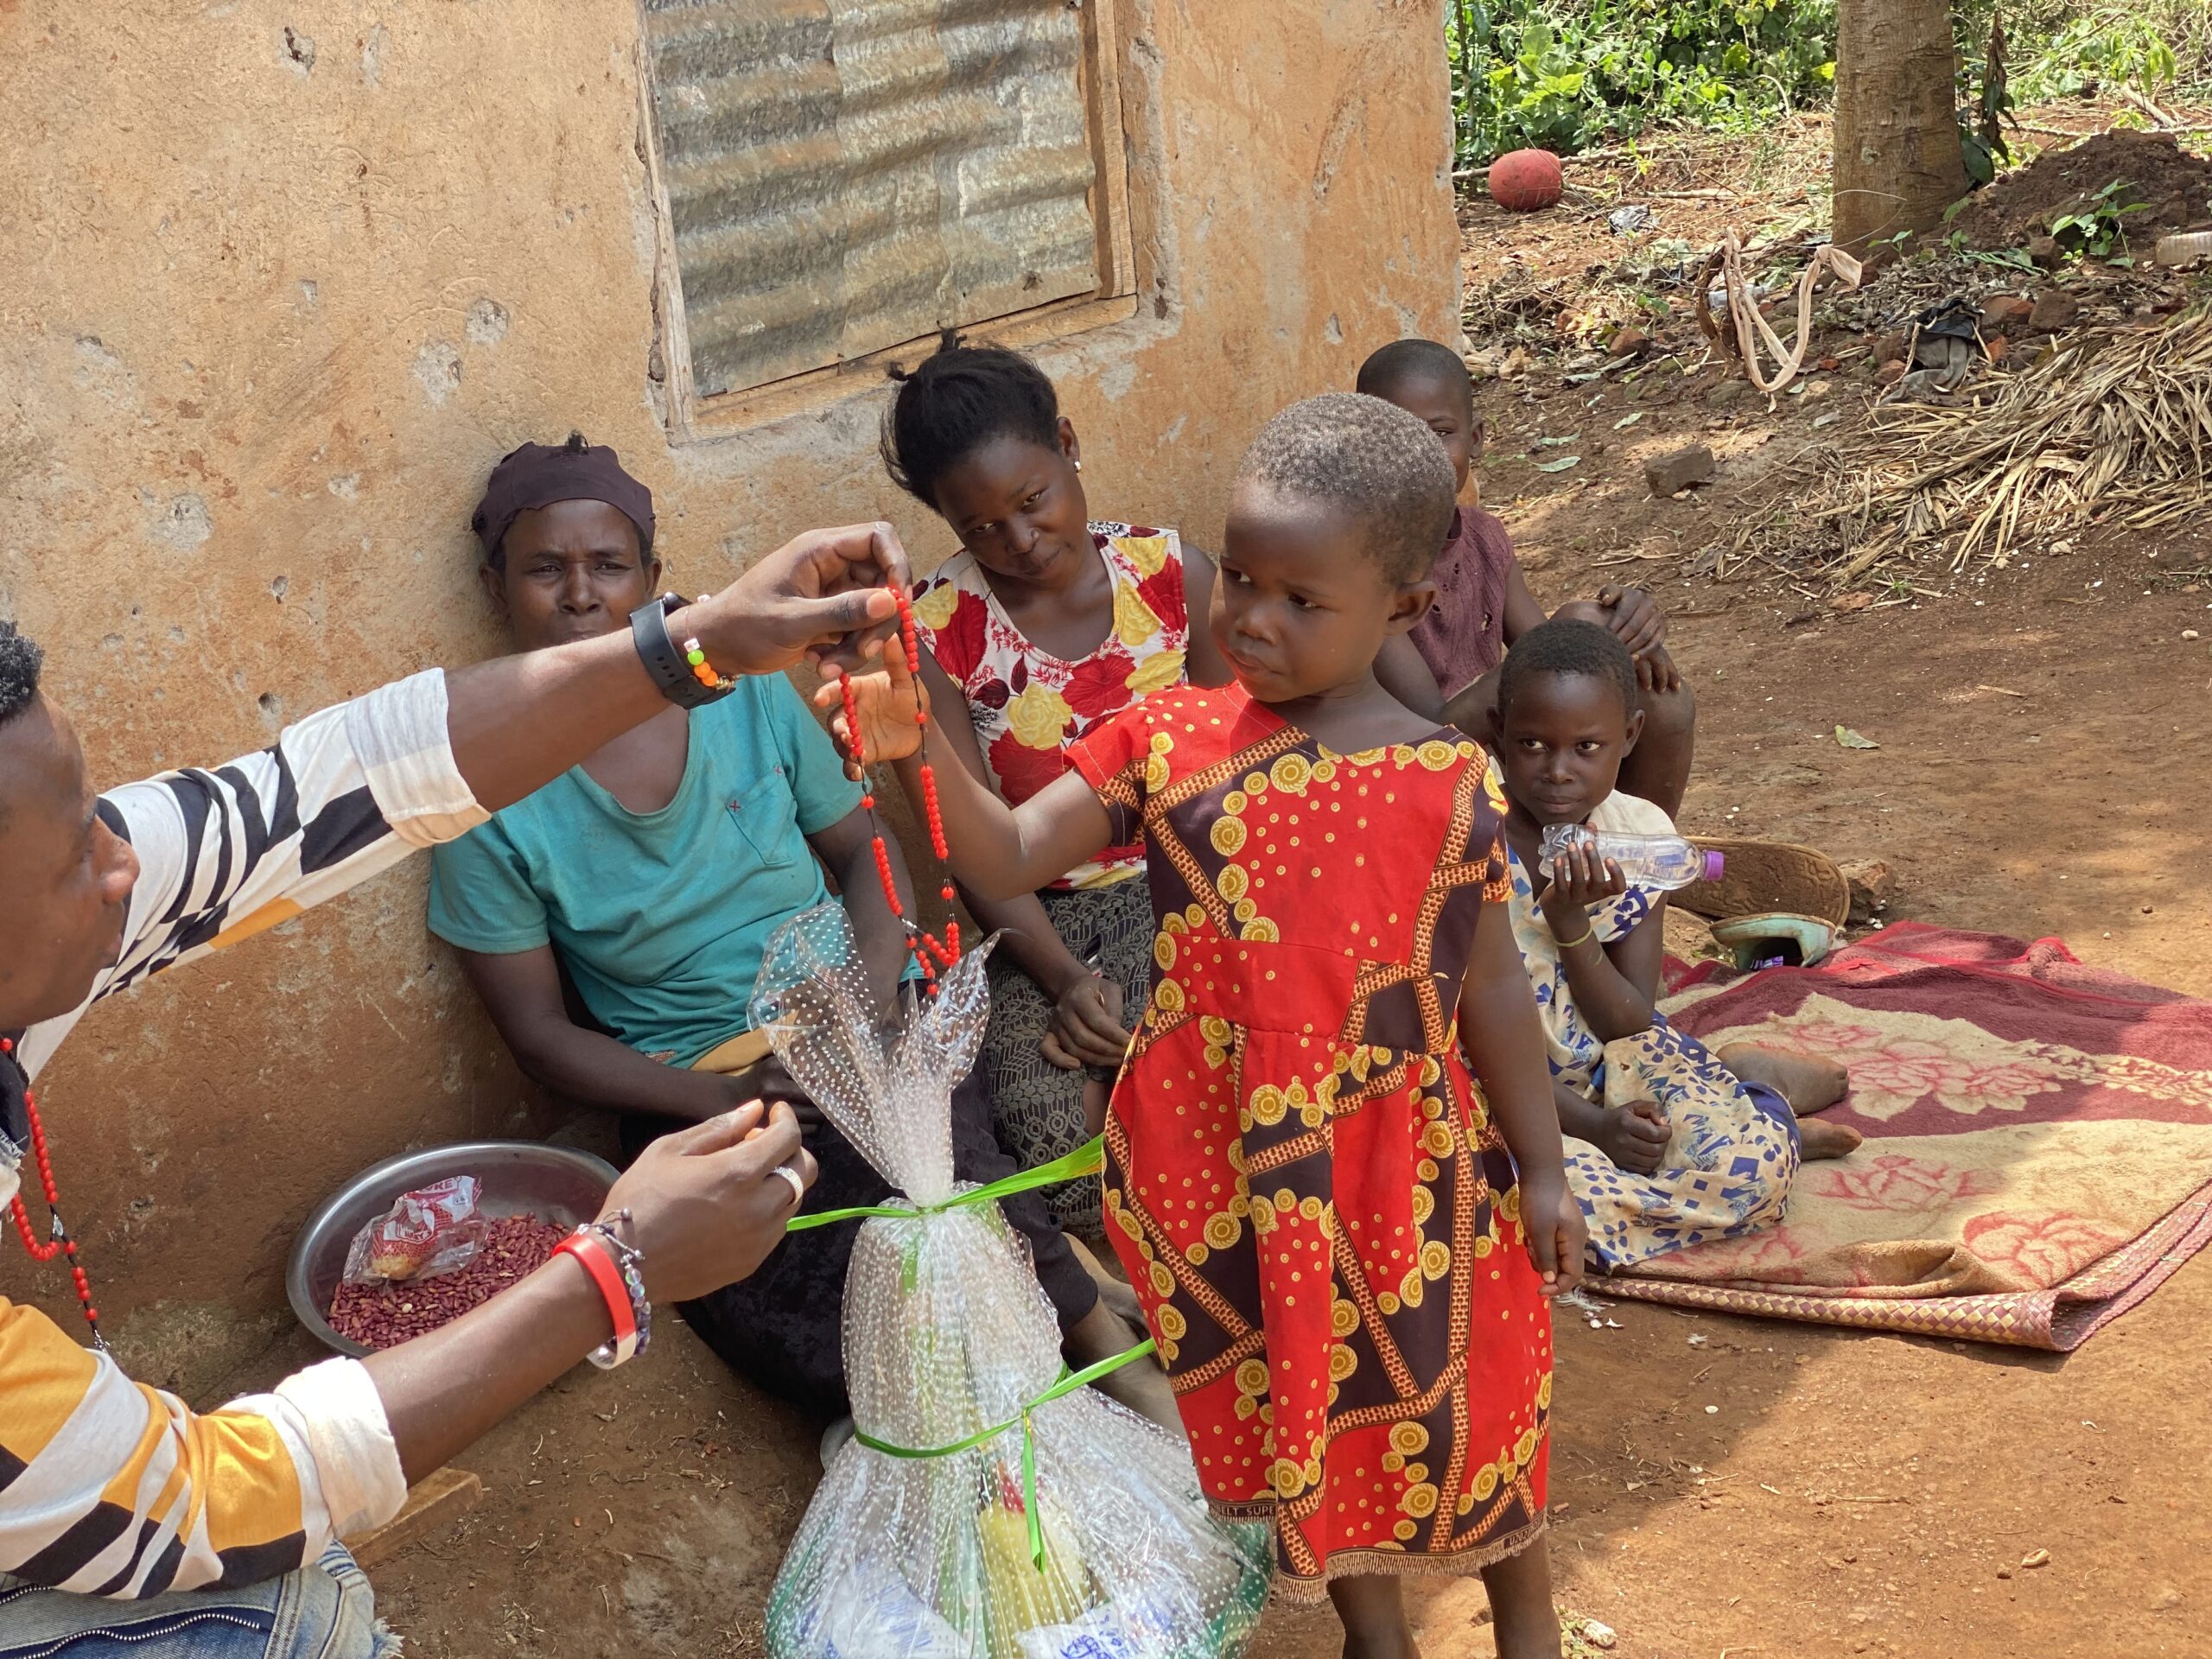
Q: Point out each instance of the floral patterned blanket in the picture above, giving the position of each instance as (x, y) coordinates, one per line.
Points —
(2038, 1154)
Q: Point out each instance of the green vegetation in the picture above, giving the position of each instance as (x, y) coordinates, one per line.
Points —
(1569, 75)
(1566, 74)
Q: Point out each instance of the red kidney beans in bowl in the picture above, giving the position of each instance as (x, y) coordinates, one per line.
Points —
(383, 1316)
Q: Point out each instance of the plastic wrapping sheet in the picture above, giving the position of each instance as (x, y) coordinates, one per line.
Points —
(981, 1512)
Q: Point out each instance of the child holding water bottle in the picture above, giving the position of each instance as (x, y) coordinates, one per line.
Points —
(1666, 1145)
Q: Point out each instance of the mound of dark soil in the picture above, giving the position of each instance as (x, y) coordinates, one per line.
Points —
(2174, 187)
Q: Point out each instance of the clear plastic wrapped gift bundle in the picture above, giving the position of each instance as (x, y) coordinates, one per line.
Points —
(990, 1506)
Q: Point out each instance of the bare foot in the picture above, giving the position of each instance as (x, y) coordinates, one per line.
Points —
(1808, 1083)
(1141, 1385)
(1818, 1138)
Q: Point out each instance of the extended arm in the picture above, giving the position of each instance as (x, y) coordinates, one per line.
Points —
(1505, 1043)
(521, 990)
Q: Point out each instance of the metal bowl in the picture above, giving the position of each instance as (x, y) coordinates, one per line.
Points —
(555, 1183)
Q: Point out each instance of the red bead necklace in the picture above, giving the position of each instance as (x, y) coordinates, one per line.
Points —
(929, 954)
(59, 1240)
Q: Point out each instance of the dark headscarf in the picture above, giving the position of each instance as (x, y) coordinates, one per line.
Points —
(538, 475)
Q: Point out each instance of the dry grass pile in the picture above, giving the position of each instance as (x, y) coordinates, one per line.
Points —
(2113, 429)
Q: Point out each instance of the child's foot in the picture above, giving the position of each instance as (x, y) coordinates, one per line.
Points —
(1141, 1385)
(1808, 1083)
(1817, 1138)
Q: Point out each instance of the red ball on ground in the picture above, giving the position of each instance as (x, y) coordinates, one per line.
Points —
(1522, 181)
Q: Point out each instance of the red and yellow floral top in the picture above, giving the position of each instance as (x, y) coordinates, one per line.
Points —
(1028, 705)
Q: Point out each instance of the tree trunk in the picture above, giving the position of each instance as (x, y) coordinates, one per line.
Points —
(1898, 161)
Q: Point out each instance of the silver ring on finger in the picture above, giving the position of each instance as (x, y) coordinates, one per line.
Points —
(797, 1181)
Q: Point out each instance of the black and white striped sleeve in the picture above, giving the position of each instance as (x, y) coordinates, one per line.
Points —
(339, 796)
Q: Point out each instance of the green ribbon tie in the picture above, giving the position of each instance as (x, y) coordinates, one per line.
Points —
(1069, 1383)
(1086, 1160)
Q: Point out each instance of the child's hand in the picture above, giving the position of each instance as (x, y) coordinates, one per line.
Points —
(886, 700)
(1557, 1233)
(1579, 879)
(1635, 1135)
(1636, 620)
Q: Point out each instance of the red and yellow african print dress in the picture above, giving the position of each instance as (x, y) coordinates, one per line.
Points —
(1302, 1178)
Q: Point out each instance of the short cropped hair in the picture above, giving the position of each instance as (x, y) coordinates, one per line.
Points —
(1408, 362)
(20, 662)
(960, 399)
(1567, 645)
(1370, 461)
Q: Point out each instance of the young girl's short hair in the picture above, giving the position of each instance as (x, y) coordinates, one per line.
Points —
(1370, 461)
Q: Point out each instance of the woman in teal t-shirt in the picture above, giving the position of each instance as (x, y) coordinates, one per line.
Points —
(655, 872)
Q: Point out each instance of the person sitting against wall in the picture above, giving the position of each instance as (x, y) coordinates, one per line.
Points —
(653, 872)
(219, 1529)
(1042, 627)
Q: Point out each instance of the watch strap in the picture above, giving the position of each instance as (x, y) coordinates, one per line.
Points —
(663, 659)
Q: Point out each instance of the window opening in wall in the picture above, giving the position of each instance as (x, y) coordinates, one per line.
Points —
(841, 179)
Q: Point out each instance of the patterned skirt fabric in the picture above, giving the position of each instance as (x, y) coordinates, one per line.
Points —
(1728, 1165)
(1037, 1107)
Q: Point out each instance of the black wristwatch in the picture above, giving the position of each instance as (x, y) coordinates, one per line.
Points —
(663, 659)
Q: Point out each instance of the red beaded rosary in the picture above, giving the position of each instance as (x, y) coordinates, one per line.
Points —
(59, 1240)
(929, 954)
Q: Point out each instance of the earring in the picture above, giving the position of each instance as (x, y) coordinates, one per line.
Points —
(1078, 466)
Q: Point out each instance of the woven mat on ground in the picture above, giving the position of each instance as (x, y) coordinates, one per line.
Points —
(2038, 1153)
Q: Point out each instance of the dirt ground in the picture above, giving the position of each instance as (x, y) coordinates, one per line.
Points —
(1778, 1491)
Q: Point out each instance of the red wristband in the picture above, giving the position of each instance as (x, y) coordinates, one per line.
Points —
(590, 1251)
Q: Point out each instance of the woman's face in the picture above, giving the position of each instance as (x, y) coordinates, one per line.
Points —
(572, 571)
(1018, 506)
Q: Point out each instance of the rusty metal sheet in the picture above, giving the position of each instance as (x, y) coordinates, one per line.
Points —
(845, 175)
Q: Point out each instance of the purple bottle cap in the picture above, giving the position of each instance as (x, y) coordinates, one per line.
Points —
(1714, 862)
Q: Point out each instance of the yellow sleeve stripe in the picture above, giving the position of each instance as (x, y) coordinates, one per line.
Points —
(43, 1375)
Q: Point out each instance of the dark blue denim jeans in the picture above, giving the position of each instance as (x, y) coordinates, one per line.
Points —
(323, 1611)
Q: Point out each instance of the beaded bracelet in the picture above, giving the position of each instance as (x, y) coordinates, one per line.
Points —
(617, 1268)
(701, 671)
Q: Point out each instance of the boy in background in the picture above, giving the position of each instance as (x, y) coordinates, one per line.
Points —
(1446, 667)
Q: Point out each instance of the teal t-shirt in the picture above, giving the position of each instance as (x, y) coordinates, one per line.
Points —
(661, 917)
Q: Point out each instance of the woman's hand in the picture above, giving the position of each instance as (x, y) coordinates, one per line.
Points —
(823, 595)
(887, 699)
(1634, 617)
(1557, 1233)
(706, 1202)
(1579, 878)
(1634, 1135)
(1086, 1026)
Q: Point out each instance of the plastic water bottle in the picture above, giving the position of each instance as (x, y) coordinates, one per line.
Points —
(1665, 861)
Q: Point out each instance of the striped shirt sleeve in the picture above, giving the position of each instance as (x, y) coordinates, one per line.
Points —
(108, 1486)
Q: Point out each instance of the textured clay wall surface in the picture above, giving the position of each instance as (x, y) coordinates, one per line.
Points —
(278, 283)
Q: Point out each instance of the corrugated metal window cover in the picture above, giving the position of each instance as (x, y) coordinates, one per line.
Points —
(845, 175)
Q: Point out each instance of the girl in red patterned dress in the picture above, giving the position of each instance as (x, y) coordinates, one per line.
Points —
(1333, 1167)
(1045, 624)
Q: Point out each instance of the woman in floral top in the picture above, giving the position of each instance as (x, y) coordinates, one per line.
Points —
(1044, 624)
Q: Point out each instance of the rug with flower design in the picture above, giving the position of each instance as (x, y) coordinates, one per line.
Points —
(2039, 1153)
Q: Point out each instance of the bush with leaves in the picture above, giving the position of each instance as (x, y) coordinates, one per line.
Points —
(1566, 74)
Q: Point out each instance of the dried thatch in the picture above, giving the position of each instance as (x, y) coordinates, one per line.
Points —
(2112, 429)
